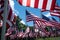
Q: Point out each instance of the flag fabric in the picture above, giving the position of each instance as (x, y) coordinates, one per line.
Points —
(41, 25)
(41, 4)
(10, 14)
(27, 30)
(52, 22)
(45, 18)
(55, 14)
(56, 11)
(29, 16)
(39, 22)
(54, 19)
(57, 7)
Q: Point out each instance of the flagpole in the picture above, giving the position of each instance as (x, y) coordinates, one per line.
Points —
(4, 20)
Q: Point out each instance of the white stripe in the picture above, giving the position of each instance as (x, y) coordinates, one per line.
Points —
(55, 14)
(10, 24)
(57, 8)
(38, 23)
(12, 17)
(57, 11)
(40, 4)
(49, 5)
(24, 2)
(32, 3)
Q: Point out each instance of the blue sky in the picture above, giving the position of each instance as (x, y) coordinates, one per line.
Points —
(20, 11)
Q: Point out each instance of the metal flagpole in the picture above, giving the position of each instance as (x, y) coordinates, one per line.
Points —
(4, 20)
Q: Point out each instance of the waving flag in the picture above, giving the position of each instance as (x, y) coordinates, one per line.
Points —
(28, 16)
(53, 22)
(56, 11)
(10, 18)
(40, 4)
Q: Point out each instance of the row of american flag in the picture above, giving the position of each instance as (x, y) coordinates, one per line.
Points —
(41, 23)
(44, 5)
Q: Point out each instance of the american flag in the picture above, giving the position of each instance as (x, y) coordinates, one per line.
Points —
(27, 30)
(43, 23)
(56, 11)
(51, 21)
(10, 17)
(29, 17)
(37, 20)
(40, 23)
(41, 4)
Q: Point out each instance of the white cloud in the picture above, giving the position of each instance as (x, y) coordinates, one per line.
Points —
(22, 22)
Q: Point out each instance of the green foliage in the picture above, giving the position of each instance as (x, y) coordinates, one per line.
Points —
(19, 24)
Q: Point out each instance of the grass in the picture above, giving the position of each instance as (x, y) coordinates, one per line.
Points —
(51, 38)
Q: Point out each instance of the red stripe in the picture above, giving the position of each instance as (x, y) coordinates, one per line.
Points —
(14, 20)
(57, 8)
(28, 2)
(44, 4)
(55, 14)
(20, 1)
(7, 25)
(52, 5)
(36, 4)
(10, 14)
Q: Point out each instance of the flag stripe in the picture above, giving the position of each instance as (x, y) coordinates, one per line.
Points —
(12, 17)
(36, 4)
(10, 14)
(48, 5)
(44, 4)
(32, 3)
(40, 4)
(55, 14)
(38, 23)
(57, 8)
(20, 1)
(29, 18)
(28, 3)
(52, 5)
(57, 11)
(24, 2)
